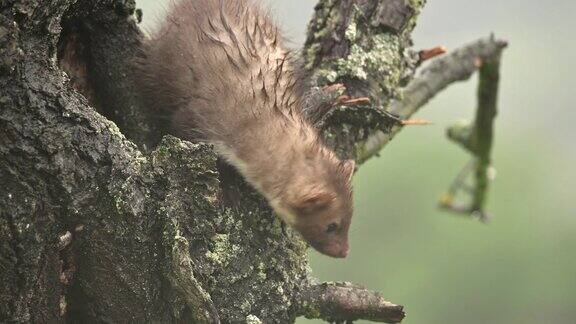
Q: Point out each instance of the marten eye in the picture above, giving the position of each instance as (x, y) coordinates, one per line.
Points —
(333, 227)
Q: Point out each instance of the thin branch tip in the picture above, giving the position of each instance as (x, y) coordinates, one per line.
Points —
(416, 122)
(428, 54)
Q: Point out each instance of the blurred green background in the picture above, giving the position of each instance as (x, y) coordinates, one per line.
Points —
(519, 268)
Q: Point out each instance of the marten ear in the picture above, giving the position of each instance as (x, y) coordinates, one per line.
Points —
(349, 166)
(313, 202)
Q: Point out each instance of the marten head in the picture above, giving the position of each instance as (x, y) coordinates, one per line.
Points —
(318, 203)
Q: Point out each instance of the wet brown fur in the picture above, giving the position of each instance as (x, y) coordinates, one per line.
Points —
(219, 69)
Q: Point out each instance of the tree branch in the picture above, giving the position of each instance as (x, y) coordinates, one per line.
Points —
(339, 302)
(459, 65)
(477, 139)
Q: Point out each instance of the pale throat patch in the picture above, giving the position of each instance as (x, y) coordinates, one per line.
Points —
(284, 214)
(227, 153)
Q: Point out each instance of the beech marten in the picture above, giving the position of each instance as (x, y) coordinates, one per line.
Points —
(220, 70)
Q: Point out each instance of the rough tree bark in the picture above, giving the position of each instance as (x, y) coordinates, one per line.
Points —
(103, 220)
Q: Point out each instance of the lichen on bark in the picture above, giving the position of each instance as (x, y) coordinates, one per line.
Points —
(366, 46)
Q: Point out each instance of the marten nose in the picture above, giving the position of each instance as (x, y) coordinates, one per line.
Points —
(338, 251)
(344, 250)
(333, 249)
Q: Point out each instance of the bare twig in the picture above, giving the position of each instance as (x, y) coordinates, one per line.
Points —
(339, 302)
(459, 65)
(416, 122)
(477, 139)
(427, 54)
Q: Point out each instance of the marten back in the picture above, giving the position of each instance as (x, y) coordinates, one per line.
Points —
(219, 65)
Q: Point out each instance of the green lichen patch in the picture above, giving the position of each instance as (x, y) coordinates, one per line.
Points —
(223, 250)
(251, 319)
(377, 64)
(351, 32)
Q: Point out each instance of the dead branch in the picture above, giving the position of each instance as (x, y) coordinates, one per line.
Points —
(458, 65)
(343, 301)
